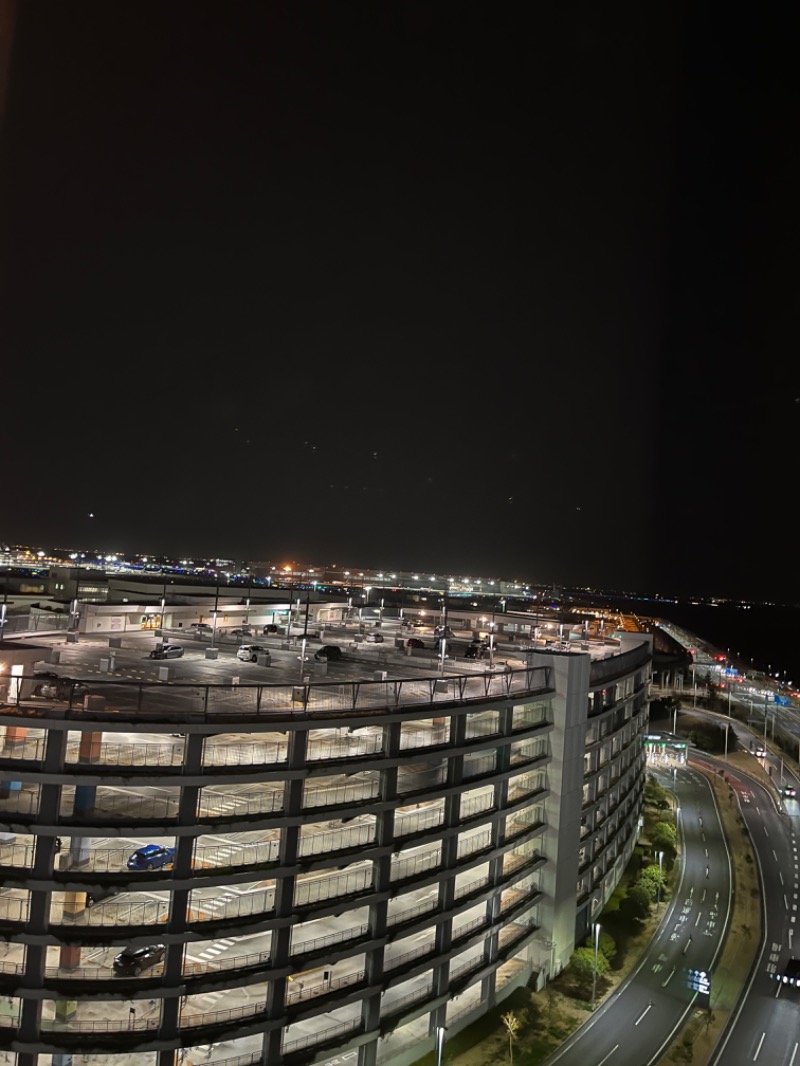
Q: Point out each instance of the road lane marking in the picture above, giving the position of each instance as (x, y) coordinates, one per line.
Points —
(644, 1012)
(758, 1049)
(611, 1052)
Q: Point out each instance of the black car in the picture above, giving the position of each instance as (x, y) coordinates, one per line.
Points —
(131, 961)
(52, 686)
(99, 895)
(328, 653)
(270, 628)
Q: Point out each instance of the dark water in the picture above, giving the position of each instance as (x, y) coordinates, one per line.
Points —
(764, 638)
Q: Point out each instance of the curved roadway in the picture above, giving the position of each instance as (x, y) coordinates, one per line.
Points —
(640, 1020)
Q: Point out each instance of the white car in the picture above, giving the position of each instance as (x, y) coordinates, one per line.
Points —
(374, 638)
(254, 653)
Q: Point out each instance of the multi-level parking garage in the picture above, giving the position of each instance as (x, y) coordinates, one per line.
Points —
(353, 861)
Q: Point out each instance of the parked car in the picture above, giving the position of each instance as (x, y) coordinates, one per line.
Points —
(328, 653)
(166, 651)
(54, 687)
(475, 651)
(254, 653)
(300, 629)
(374, 637)
(152, 857)
(201, 627)
(131, 961)
(444, 631)
(270, 627)
(415, 642)
(239, 632)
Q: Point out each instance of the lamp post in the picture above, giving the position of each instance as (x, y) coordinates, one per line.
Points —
(660, 864)
(216, 609)
(596, 932)
(440, 1031)
(730, 690)
(4, 607)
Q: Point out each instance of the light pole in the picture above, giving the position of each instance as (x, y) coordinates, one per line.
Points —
(694, 688)
(216, 609)
(596, 931)
(4, 607)
(660, 864)
(730, 690)
(440, 1031)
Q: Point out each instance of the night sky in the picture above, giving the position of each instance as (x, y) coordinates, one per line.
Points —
(465, 288)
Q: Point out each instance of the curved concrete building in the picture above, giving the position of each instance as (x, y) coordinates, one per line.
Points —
(280, 872)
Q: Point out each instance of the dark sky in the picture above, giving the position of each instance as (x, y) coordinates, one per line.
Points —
(402, 285)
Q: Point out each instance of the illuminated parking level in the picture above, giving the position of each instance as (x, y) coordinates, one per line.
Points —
(279, 872)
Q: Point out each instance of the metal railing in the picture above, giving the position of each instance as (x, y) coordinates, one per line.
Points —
(144, 700)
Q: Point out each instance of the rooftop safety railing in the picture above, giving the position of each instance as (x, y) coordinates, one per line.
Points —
(154, 701)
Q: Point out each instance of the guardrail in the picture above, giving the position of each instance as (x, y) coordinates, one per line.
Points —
(116, 700)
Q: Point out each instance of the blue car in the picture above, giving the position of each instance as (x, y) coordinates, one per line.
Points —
(152, 857)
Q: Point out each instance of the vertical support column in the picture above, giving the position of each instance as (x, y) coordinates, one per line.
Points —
(280, 949)
(179, 916)
(447, 881)
(378, 911)
(85, 795)
(89, 747)
(39, 916)
(491, 944)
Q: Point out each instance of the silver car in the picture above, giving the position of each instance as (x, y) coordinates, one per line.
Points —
(167, 651)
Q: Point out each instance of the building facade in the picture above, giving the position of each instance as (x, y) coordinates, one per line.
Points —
(332, 869)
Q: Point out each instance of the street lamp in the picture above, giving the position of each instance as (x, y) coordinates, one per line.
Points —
(596, 931)
(440, 1031)
(694, 687)
(660, 864)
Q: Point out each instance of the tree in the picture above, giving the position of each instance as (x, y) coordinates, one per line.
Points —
(664, 837)
(582, 965)
(635, 904)
(607, 944)
(650, 878)
(512, 1023)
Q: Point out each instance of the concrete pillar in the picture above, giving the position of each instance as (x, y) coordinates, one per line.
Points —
(89, 749)
(69, 956)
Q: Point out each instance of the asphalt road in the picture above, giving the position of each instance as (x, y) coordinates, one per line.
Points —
(640, 1020)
